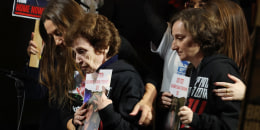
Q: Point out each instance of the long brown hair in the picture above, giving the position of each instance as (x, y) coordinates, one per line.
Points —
(237, 40)
(57, 64)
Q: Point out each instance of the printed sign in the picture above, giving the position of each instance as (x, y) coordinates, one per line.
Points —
(95, 81)
(179, 85)
(179, 89)
(31, 9)
(93, 85)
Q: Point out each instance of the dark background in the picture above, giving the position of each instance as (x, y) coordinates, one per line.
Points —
(15, 36)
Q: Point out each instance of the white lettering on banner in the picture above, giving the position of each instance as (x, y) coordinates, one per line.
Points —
(75, 108)
(193, 90)
(22, 1)
(200, 88)
(189, 91)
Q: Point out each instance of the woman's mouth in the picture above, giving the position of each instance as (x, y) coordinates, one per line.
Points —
(87, 69)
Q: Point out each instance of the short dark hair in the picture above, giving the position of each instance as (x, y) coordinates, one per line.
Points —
(205, 29)
(98, 30)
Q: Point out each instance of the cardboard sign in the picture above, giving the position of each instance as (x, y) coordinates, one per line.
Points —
(31, 9)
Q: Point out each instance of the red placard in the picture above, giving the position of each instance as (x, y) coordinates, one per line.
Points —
(31, 9)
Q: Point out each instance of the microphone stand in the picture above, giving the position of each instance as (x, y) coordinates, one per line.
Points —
(19, 85)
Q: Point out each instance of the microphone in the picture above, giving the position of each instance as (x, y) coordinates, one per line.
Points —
(15, 75)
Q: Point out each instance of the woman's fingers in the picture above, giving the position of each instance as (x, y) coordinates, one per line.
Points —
(234, 78)
(32, 48)
(223, 84)
(185, 115)
(166, 99)
(167, 94)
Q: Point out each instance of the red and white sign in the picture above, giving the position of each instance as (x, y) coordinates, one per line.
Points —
(95, 81)
(179, 85)
(31, 9)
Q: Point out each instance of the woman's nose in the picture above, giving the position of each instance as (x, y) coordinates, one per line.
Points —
(58, 40)
(78, 59)
(174, 46)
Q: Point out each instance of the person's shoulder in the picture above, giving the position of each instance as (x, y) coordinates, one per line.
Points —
(122, 66)
(218, 66)
(125, 71)
(219, 61)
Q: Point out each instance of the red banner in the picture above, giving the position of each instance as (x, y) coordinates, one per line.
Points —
(31, 9)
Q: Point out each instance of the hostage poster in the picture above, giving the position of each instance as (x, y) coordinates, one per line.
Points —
(31, 9)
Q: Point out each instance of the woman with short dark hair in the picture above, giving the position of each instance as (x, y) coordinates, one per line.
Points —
(96, 41)
(197, 38)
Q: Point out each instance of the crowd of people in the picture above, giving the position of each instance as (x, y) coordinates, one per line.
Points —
(205, 40)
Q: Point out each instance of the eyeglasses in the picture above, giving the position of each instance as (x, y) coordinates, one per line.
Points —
(191, 4)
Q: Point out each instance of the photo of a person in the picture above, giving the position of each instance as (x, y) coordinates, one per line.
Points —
(173, 119)
(40, 3)
(92, 119)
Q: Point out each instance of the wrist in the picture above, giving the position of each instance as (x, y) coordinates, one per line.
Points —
(73, 123)
(70, 125)
(150, 93)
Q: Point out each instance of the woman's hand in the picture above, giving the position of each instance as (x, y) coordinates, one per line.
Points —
(102, 101)
(166, 100)
(145, 105)
(232, 91)
(146, 109)
(185, 115)
(79, 115)
(32, 47)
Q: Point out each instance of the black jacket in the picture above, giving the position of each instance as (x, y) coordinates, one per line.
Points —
(210, 112)
(126, 91)
(135, 21)
(49, 115)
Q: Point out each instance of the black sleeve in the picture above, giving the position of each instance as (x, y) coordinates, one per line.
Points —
(66, 114)
(125, 93)
(224, 115)
(129, 54)
(33, 89)
(156, 25)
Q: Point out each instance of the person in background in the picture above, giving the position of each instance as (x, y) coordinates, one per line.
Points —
(237, 45)
(96, 41)
(197, 39)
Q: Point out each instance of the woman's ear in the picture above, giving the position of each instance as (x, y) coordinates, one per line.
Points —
(106, 50)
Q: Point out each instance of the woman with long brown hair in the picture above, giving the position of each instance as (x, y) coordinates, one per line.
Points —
(237, 45)
(56, 65)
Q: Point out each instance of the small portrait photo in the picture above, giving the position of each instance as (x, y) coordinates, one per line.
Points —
(40, 3)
